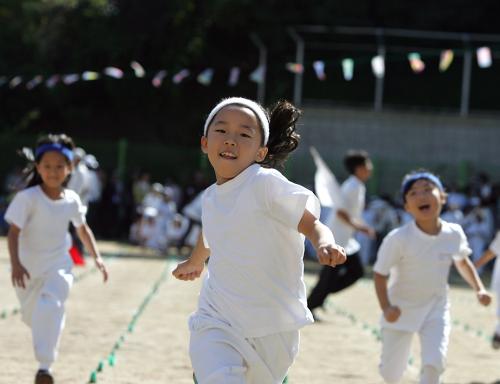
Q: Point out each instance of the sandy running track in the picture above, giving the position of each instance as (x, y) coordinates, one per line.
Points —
(344, 348)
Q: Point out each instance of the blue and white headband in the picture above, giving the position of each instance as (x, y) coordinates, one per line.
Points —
(256, 108)
(65, 151)
(410, 179)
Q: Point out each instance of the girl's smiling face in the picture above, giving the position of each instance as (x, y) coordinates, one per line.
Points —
(233, 142)
(53, 168)
(424, 200)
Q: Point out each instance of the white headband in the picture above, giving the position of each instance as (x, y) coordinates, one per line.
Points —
(261, 115)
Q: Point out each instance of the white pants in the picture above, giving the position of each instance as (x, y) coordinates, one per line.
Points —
(219, 355)
(434, 337)
(42, 308)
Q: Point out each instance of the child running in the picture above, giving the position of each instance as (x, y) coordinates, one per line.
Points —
(492, 252)
(253, 299)
(39, 243)
(418, 257)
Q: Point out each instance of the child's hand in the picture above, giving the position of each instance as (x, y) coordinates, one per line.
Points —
(368, 231)
(187, 270)
(392, 313)
(331, 254)
(17, 275)
(484, 297)
(99, 263)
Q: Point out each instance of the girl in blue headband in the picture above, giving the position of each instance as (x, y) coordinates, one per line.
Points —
(39, 217)
(418, 257)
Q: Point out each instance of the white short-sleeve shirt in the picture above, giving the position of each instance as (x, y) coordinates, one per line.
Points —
(495, 248)
(353, 197)
(419, 265)
(43, 240)
(495, 245)
(255, 271)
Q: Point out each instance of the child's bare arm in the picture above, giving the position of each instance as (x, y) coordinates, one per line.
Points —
(193, 267)
(469, 274)
(18, 270)
(487, 256)
(391, 312)
(87, 237)
(356, 224)
(322, 240)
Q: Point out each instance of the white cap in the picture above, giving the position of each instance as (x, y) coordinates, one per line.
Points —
(91, 161)
(150, 212)
(79, 152)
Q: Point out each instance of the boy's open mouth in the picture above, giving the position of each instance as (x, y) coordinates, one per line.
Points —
(424, 207)
(228, 155)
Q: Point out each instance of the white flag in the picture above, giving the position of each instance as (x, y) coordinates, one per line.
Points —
(325, 183)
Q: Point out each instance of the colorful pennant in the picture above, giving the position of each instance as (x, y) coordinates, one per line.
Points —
(138, 69)
(180, 76)
(445, 60)
(90, 75)
(234, 76)
(484, 59)
(113, 72)
(296, 68)
(319, 69)
(52, 81)
(348, 69)
(71, 78)
(158, 79)
(258, 74)
(34, 82)
(416, 63)
(15, 81)
(378, 66)
(205, 77)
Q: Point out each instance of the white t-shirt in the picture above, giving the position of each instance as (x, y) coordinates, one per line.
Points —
(419, 265)
(43, 241)
(95, 187)
(353, 196)
(255, 271)
(495, 248)
(79, 181)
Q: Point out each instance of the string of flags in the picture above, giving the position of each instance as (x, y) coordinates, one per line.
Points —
(205, 77)
(483, 56)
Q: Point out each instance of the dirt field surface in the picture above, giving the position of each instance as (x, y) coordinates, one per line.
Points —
(133, 330)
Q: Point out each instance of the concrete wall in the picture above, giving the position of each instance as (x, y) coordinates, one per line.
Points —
(452, 146)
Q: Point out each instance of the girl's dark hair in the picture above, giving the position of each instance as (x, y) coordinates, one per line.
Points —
(31, 176)
(355, 158)
(282, 136)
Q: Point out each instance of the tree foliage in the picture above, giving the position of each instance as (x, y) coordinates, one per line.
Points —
(71, 36)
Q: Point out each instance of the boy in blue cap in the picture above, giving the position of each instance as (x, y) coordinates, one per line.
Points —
(411, 274)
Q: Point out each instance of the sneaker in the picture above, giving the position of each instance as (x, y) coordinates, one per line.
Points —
(495, 342)
(43, 377)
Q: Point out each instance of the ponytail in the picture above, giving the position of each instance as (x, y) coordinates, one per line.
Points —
(282, 136)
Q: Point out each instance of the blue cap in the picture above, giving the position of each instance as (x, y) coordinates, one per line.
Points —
(410, 179)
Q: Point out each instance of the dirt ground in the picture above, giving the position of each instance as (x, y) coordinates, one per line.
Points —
(133, 330)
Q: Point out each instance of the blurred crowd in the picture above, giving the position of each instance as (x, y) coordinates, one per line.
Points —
(162, 215)
(136, 209)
